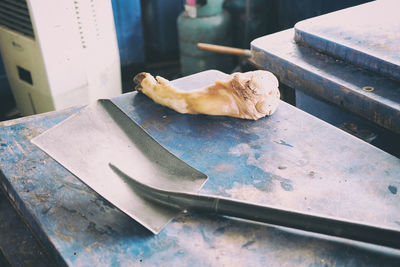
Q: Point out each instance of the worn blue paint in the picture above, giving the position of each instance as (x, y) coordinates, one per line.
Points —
(367, 35)
(128, 26)
(332, 80)
(290, 159)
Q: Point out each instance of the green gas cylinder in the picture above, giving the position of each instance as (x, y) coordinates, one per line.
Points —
(205, 22)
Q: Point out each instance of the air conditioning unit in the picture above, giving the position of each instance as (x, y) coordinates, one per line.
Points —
(59, 54)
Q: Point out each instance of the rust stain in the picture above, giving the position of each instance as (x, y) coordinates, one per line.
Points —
(78, 187)
(19, 147)
(10, 150)
(345, 89)
(70, 228)
(42, 197)
(12, 122)
(160, 125)
(64, 237)
(30, 133)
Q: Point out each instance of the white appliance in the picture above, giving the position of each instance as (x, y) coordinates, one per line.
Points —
(60, 53)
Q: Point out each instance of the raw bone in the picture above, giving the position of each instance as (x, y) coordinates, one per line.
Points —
(250, 95)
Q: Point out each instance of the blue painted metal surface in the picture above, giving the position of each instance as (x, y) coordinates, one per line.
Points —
(367, 35)
(128, 25)
(290, 159)
(332, 80)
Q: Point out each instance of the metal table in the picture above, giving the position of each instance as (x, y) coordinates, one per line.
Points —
(366, 35)
(290, 159)
(351, 65)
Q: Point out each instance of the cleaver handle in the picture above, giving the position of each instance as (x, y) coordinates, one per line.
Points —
(267, 214)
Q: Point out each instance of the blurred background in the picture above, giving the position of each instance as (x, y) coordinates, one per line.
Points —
(158, 36)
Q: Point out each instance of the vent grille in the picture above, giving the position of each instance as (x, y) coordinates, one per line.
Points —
(79, 22)
(14, 14)
(86, 27)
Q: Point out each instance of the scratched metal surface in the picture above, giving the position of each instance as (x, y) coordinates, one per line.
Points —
(332, 80)
(367, 35)
(290, 159)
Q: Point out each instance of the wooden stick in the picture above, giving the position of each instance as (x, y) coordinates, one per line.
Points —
(224, 49)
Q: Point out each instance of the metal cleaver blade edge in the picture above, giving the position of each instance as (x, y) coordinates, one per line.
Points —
(89, 140)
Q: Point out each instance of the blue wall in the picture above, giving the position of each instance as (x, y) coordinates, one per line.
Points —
(128, 25)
